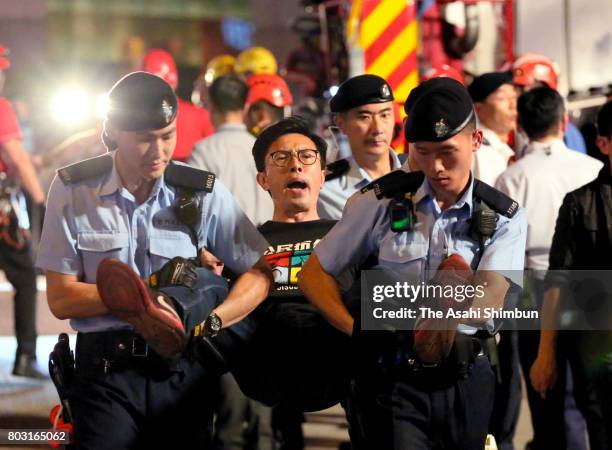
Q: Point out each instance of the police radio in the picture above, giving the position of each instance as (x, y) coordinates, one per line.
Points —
(483, 225)
(401, 209)
(188, 210)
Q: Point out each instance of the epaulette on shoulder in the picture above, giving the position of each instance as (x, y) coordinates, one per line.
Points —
(86, 169)
(394, 183)
(181, 176)
(336, 169)
(496, 200)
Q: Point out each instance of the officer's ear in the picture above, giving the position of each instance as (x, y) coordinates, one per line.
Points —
(476, 139)
(109, 137)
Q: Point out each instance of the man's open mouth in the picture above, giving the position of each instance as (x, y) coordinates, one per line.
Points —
(297, 185)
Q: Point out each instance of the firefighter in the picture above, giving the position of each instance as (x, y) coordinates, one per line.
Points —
(269, 100)
(15, 253)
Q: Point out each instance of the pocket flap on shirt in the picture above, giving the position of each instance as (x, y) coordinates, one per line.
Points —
(170, 245)
(395, 250)
(95, 241)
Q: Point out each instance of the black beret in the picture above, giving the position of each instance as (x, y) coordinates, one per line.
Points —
(360, 90)
(141, 101)
(604, 120)
(487, 83)
(437, 110)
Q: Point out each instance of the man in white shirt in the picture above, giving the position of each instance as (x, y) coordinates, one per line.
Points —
(227, 153)
(494, 99)
(539, 181)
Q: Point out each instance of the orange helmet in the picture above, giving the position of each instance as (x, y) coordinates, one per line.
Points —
(533, 67)
(4, 62)
(443, 71)
(270, 88)
(161, 63)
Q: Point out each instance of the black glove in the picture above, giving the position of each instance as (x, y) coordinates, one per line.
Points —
(176, 272)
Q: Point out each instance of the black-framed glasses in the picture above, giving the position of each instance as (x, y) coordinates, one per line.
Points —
(306, 156)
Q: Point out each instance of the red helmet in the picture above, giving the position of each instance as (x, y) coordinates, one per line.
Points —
(161, 63)
(533, 67)
(270, 88)
(4, 62)
(443, 71)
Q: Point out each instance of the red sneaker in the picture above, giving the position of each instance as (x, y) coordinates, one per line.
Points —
(150, 312)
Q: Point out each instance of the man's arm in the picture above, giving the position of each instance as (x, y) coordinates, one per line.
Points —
(543, 373)
(17, 159)
(321, 289)
(250, 289)
(69, 298)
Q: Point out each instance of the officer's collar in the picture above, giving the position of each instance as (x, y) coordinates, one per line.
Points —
(113, 183)
(426, 192)
(359, 177)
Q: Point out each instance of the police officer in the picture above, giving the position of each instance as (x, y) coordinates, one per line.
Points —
(363, 110)
(428, 405)
(123, 205)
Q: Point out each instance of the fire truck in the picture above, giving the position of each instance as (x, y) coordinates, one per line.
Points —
(401, 39)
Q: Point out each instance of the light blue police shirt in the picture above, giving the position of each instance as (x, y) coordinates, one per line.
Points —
(365, 229)
(98, 218)
(336, 192)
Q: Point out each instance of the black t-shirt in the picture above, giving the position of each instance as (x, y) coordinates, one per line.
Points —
(291, 244)
(303, 353)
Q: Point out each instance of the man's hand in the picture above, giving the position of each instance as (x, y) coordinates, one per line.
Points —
(543, 373)
(434, 338)
(211, 262)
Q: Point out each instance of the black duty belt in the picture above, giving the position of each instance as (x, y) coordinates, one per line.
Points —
(113, 350)
(458, 364)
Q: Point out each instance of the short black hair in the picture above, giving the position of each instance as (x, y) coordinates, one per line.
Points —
(290, 125)
(228, 93)
(276, 112)
(540, 112)
(604, 120)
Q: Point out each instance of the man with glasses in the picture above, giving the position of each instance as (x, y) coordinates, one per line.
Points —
(290, 162)
(363, 110)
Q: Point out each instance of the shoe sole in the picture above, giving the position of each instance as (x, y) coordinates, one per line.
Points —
(127, 297)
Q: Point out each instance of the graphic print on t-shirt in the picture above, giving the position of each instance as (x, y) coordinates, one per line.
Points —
(291, 244)
(286, 265)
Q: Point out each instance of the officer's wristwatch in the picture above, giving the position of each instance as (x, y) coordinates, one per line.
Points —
(212, 325)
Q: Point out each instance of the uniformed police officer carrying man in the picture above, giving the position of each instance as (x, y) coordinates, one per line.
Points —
(123, 205)
(431, 405)
(363, 110)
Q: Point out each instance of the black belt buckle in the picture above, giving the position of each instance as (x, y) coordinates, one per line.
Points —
(140, 348)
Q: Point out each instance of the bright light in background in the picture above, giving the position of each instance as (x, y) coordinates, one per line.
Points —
(101, 106)
(333, 90)
(71, 105)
